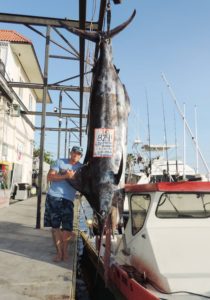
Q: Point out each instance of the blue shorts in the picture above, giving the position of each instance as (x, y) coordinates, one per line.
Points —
(58, 212)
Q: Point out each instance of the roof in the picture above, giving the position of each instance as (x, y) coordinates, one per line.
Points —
(13, 36)
(26, 54)
(182, 186)
(157, 147)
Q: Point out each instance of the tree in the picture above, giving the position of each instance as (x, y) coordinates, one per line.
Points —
(131, 161)
(47, 155)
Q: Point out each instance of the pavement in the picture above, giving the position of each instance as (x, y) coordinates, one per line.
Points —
(4, 197)
(27, 271)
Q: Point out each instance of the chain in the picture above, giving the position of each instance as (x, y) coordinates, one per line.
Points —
(108, 10)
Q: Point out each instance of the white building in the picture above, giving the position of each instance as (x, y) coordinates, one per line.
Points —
(18, 63)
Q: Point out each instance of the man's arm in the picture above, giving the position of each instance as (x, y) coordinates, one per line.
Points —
(55, 176)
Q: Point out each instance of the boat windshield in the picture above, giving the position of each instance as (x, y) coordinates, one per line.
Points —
(184, 205)
(139, 208)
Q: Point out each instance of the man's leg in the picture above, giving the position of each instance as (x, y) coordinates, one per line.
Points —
(58, 241)
(52, 218)
(66, 235)
(67, 225)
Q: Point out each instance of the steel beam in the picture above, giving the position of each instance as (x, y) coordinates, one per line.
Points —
(61, 129)
(63, 57)
(52, 114)
(40, 86)
(44, 21)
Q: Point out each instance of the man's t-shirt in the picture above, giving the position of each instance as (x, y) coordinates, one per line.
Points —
(62, 188)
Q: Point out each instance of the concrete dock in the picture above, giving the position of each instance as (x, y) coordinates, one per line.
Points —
(27, 271)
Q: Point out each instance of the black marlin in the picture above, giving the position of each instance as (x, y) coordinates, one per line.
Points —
(101, 179)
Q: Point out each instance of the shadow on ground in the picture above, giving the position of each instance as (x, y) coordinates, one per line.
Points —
(21, 240)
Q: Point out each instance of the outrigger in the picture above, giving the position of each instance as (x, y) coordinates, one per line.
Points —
(163, 248)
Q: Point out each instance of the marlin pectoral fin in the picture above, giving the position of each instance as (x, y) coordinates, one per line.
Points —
(119, 174)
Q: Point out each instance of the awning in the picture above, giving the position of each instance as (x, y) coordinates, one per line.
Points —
(4, 162)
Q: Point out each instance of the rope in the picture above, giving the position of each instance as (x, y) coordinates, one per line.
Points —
(108, 10)
(107, 249)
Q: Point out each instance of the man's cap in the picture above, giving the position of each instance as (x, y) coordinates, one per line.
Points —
(77, 149)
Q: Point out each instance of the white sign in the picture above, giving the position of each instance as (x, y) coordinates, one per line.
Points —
(103, 142)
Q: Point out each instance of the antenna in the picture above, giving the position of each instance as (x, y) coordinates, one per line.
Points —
(177, 170)
(148, 124)
(165, 133)
(187, 126)
(184, 143)
(196, 138)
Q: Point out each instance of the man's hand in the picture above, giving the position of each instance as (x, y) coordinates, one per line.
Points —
(70, 174)
(54, 176)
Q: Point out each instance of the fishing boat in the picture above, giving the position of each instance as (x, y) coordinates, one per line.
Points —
(161, 250)
(151, 164)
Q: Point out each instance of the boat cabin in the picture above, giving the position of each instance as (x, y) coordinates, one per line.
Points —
(167, 235)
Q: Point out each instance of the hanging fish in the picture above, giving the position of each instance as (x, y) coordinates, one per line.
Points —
(102, 177)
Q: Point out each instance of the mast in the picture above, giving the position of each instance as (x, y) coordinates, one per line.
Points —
(149, 141)
(186, 124)
(177, 170)
(184, 143)
(165, 134)
(196, 138)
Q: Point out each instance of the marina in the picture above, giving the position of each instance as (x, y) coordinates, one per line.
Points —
(104, 181)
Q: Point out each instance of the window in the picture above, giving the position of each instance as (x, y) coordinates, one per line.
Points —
(184, 205)
(139, 208)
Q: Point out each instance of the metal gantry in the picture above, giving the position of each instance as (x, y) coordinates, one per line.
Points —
(55, 24)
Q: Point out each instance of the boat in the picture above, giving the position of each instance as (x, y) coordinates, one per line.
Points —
(150, 164)
(161, 249)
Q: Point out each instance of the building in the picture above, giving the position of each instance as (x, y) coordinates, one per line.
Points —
(18, 63)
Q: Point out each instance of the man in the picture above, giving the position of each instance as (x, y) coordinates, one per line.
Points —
(59, 201)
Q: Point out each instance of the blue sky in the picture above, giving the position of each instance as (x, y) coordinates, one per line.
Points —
(169, 36)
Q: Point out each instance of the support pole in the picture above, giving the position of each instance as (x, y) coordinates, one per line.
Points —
(59, 124)
(69, 141)
(42, 137)
(82, 18)
(65, 147)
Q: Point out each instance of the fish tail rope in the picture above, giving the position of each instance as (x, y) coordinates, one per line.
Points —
(83, 209)
(107, 228)
(86, 219)
(107, 249)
